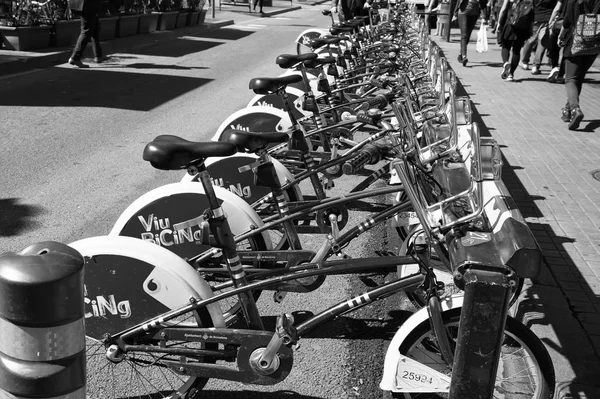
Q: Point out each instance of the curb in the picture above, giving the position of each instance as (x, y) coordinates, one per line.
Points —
(26, 61)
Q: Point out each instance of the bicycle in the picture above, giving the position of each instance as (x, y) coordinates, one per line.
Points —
(170, 344)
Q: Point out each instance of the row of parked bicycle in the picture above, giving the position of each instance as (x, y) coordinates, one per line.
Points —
(187, 261)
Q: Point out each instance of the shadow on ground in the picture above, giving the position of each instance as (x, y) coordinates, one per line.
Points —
(16, 218)
(96, 87)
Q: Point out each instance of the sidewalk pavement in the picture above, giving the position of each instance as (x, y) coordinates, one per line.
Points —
(21, 61)
(553, 174)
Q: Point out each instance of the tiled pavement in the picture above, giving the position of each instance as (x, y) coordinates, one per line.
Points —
(549, 172)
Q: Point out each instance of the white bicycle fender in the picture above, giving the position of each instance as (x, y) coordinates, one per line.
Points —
(273, 100)
(395, 362)
(256, 119)
(240, 215)
(165, 278)
(307, 35)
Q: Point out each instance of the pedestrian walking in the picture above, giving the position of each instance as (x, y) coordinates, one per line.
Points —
(87, 10)
(260, 2)
(580, 37)
(467, 13)
(349, 9)
(538, 41)
(516, 25)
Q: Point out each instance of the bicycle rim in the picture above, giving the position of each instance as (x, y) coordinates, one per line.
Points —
(524, 372)
(143, 375)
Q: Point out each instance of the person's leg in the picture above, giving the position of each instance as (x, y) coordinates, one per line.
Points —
(471, 22)
(462, 24)
(83, 39)
(95, 36)
(528, 45)
(516, 55)
(506, 46)
(575, 71)
(540, 50)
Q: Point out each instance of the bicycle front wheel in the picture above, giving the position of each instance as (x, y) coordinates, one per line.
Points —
(525, 369)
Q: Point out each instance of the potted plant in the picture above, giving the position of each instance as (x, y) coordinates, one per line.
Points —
(66, 26)
(197, 12)
(167, 19)
(148, 18)
(27, 27)
(129, 19)
(108, 19)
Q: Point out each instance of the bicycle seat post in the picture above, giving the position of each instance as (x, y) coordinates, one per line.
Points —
(221, 231)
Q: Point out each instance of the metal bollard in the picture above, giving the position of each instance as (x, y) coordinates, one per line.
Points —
(42, 345)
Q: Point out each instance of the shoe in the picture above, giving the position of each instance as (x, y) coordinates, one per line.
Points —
(523, 65)
(553, 75)
(566, 114)
(505, 70)
(576, 118)
(101, 59)
(464, 61)
(535, 70)
(460, 58)
(510, 78)
(77, 63)
(560, 80)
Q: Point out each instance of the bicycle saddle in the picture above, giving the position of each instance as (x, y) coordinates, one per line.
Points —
(272, 85)
(168, 152)
(337, 29)
(251, 141)
(321, 41)
(319, 61)
(289, 60)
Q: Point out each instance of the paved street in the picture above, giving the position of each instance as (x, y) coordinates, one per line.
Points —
(72, 144)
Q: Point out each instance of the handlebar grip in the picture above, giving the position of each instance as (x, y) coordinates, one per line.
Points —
(379, 101)
(369, 120)
(352, 166)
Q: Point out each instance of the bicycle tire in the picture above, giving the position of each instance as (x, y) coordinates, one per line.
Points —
(420, 344)
(142, 375)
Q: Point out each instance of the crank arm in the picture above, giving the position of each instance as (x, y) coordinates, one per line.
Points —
(247, 342)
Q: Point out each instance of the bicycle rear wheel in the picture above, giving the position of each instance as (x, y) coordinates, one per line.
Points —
(143, 375)
(525, 369)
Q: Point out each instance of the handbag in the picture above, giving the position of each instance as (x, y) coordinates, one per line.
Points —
(482, 40)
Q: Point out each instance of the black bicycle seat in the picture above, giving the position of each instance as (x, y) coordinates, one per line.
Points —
(271, 85)
(167, 152)
(252, 141)
(289, 60)
(319, 61)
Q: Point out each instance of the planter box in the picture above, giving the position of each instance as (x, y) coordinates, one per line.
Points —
(148, 23)
(24, 38)
(66, 32)
(181, 19)
(192, 18)
(108, 28)
(128, 25)
(201, 17)
(167, 20)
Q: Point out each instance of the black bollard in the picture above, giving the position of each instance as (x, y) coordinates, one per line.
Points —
(42, 349)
